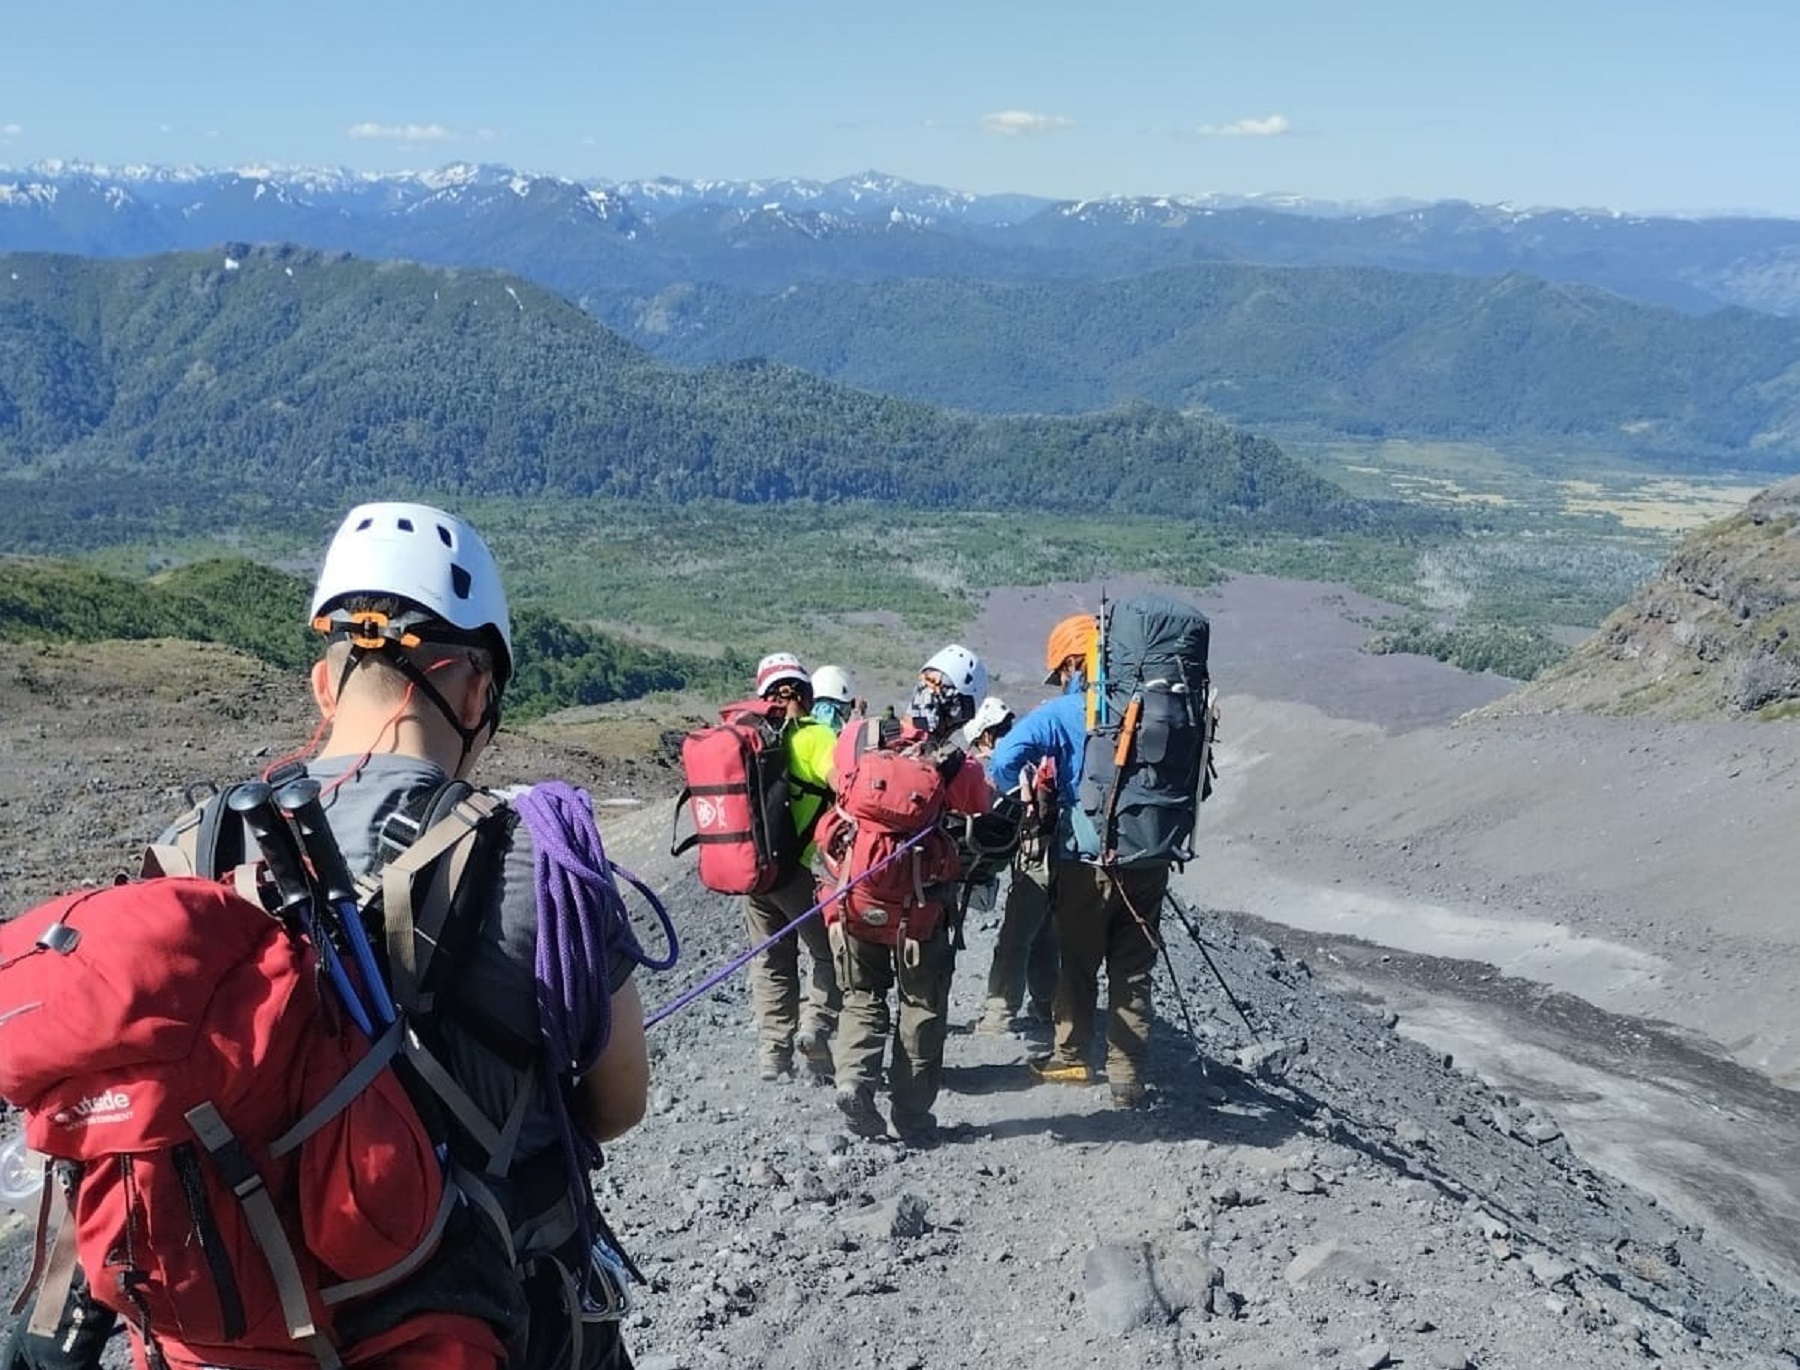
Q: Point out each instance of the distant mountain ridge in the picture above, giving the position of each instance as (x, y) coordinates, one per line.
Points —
(1343, 349)
(582, 235)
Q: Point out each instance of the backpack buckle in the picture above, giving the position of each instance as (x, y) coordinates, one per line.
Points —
(59, 938)
(399, 830)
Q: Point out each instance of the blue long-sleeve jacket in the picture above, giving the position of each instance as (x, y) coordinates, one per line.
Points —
(1056, 729)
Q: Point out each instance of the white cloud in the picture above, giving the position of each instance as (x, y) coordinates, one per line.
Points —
(1272, 127)
(1015, 123)
(11, 130)
(401, 133)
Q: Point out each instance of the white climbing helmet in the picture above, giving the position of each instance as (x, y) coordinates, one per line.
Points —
(992, 713)
(777, 667)
(834, 682)
(422, 555)
(963, 669)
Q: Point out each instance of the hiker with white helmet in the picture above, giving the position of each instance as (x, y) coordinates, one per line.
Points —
(993, 719)
(888, 882)
(417, 657)
(834, 697)
(791, 1021)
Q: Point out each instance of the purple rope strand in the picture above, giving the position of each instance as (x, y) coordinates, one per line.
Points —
(737, 963)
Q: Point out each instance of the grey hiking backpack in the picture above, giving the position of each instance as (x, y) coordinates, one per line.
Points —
(1148, 757)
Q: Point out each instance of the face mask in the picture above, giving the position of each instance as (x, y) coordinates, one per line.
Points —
(924, 709)
(831, 712)
(938, 711)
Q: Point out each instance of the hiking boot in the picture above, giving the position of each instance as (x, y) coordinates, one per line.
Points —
(857, 1104)
(775, 1067)
(1053, 1070)
(1129, 1094)
(995, 1021)
(815, 1051)
(917, 1134)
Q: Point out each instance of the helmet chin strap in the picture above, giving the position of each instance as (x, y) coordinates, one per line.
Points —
(371, 632)
(489, 722)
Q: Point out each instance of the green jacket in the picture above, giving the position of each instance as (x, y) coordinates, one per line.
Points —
(809, 745)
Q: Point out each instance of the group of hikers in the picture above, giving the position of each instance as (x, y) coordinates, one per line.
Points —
(821, 984)
(327, 1084)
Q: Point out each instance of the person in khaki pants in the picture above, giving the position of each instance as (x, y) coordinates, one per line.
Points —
(919, 972)
(1106, 917)
(791, 1019)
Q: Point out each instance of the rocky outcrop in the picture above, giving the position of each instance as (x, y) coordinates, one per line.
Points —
(1715, 635)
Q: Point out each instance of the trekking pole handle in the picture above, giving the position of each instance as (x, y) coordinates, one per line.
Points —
(299, 800)
(254, 803)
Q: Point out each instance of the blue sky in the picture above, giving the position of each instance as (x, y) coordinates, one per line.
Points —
(1656, 105)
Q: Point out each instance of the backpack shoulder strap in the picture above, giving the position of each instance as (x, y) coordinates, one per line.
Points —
(414, 918)
(207, 840)
(179, 855)
(424, 918)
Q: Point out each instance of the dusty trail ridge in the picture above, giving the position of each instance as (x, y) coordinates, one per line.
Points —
(1518, 989)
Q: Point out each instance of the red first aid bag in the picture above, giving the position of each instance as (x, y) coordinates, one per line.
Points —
(739, 790)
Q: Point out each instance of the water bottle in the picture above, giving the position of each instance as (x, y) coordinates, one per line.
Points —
(21, 1174)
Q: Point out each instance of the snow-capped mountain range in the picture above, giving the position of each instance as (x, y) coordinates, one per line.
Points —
(587, 236)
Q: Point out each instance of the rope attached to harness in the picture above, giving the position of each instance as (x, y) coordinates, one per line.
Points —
(737, 963)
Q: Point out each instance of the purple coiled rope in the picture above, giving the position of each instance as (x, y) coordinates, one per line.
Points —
(582, 926)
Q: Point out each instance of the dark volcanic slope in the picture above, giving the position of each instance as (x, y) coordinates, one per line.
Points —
(1715, 635)
(1316, 1190)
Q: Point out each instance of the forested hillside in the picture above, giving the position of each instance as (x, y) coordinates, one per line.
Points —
(286, 369)
(1353, 350)
(237, 603)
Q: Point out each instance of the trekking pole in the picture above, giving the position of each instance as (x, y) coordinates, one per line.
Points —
(1187, 1018)
(1192, 932)
(299, 800)
(254, 804)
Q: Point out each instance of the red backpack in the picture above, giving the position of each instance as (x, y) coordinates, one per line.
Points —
(739, 789)
(246, 1159)
(880, 888)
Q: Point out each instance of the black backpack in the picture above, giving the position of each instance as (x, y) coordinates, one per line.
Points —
(1147, 763)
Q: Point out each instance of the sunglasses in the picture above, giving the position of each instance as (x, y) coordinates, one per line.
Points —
(786, 692)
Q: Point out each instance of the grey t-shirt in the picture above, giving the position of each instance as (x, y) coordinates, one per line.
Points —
(499, 972)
